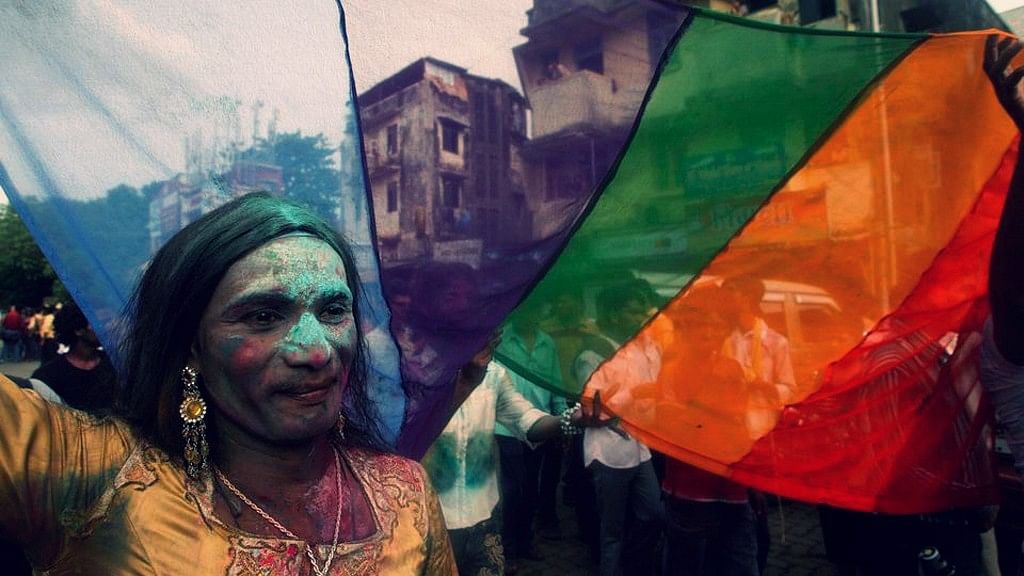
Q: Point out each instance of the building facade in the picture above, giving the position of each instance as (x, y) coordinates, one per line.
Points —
(584, 68)
(443, 156)
(184, 198)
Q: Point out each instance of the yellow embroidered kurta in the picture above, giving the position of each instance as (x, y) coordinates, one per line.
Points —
(86, 496)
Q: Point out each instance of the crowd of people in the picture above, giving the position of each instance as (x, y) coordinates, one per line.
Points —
(238, 436)
(28, 334)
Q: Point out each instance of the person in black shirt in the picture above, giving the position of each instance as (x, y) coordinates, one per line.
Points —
(83, 377)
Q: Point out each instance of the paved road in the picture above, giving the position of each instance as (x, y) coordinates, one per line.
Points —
(22, 369)
(796, 550)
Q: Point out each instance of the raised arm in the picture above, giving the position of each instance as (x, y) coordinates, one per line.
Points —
(54, 462)
(1006, 272)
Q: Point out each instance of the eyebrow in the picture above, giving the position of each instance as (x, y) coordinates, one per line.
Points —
(277, 298)
(256, 299)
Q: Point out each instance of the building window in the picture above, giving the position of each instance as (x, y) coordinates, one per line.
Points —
(589, 55)
(450, 136)
(567, 178)
(393, 140)
(392, 196)
(451, 191)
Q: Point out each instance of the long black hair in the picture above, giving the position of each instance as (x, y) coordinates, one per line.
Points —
(162, 317)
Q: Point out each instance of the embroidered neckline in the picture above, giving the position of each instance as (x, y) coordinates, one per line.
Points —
(202, 496)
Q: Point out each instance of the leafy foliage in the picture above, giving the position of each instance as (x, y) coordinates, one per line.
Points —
(309, 168)
(26, 278)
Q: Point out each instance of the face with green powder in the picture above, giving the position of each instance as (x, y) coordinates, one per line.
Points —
(277, 340)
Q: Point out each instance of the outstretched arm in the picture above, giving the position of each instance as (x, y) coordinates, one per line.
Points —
(1006, 272)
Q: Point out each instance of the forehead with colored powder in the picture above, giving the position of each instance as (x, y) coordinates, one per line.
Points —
(299, 267)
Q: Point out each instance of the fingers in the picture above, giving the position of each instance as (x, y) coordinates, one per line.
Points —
(999, 52)
(1014, 78)
(1007, 50)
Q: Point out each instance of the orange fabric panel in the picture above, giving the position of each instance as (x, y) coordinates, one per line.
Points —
(838, 248)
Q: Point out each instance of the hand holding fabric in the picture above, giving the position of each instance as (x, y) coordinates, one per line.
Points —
(1004, 77)
(591, 417)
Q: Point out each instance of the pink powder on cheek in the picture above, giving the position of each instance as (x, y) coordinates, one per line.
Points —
(246, 355)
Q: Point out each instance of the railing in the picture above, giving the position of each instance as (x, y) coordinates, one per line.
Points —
(581, 99)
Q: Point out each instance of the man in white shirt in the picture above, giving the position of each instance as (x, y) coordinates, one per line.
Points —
(762, 354)
(623, 475)
(462, 462)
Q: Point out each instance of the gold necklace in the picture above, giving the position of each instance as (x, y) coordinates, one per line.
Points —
(270, 519)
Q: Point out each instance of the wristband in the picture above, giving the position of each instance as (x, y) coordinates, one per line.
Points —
(565, 420)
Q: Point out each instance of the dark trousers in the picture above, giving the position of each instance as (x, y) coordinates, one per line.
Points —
(478, 550)
(629, 505)
(12, 345)
(709, 538)
(548, 463)
(529, 481)
(517, 505)
(579, 493)
(48, 351)
(888, 545)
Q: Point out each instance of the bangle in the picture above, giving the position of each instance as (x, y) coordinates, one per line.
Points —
(565, 420)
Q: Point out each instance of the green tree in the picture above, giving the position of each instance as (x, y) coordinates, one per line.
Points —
(309, 168)
(26, 278)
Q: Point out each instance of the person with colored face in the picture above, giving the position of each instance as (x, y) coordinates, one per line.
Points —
(243, 440)
(277, 341)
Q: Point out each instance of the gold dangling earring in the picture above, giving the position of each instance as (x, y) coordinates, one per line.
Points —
(341, 427)
(193, 429)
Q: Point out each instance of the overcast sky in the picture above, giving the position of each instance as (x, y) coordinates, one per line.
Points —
(165, 50)
(1004, 5)
(385, 36)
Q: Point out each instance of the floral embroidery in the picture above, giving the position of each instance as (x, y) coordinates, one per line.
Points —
(140, 468)
(390, 482)
(495, 554)
(259, 557)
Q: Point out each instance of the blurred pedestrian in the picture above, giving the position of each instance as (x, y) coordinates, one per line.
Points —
(529, 472)
(625, 485)
(47, 336)
(33, 342)
(84, 376)
(12, 327)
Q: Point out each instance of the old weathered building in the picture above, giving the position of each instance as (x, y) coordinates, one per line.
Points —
(442, 149)
(585, 68)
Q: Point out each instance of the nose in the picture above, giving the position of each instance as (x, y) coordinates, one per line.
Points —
(306, 344)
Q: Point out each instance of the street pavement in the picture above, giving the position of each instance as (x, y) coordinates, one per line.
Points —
(797, 548)
(20, 369)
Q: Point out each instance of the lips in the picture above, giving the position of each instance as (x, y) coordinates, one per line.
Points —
(308, 394)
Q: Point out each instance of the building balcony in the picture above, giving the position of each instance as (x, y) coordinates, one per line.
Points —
(581, 100)
(380, 165)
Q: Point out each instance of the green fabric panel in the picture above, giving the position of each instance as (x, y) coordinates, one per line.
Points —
(736, 108)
